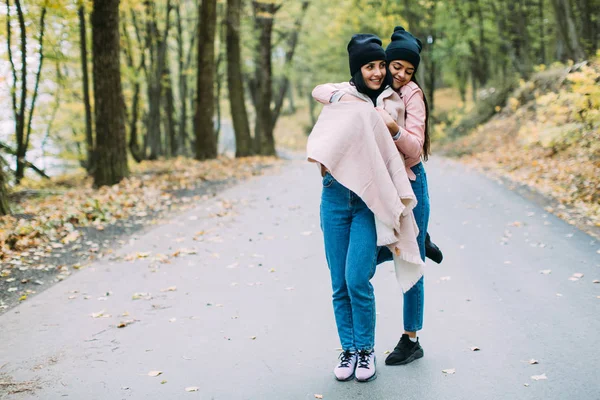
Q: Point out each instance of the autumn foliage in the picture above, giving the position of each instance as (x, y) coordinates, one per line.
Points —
(548, 137)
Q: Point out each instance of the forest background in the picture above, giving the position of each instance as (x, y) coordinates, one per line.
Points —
(106, 106)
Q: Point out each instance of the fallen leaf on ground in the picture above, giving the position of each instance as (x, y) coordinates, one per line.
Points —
(154, 373)
(192, 389)
(449, 371)
(475, 348)
(526, 384)
(533, 361)
(386, 352)
(318, 396)
(546, 271)
(163, 382)
(539, 377)
(253, 337)
(596, 281)
(123, 324)
(138, 296)
(98, 314)
(169, 289)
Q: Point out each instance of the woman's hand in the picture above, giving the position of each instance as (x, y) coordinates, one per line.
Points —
(389, 121)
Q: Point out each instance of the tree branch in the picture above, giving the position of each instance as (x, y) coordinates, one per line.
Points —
(13, 92)
(38, 73)
(12, 152)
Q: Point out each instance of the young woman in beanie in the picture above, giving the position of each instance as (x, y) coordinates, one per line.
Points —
(411, 136)
(349, 232)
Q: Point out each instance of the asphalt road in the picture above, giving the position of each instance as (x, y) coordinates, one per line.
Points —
(233, 299)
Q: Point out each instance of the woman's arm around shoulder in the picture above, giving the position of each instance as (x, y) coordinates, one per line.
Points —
(323, 93)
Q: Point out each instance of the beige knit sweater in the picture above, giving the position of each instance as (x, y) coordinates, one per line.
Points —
(351, 140)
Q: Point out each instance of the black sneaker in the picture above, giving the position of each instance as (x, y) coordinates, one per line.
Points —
(432, 251)
(406, 351)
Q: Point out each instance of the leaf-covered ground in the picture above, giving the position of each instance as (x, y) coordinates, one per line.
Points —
(548, 138)
(61, 226)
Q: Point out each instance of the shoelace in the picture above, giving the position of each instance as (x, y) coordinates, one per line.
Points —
(345, 358)
(364, 358)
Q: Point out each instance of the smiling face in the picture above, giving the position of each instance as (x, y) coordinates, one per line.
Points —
(373, 74)
(401, 72)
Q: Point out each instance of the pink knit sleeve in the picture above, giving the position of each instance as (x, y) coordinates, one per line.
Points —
(412, 137)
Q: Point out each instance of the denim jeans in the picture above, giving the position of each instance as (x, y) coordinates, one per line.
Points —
(414, 298)
(351, 250)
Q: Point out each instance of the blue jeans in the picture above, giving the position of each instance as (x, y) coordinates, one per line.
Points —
(351, 249)
(414, 298)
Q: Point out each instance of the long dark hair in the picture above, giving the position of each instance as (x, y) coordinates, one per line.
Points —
(426, 142)
(358, 82)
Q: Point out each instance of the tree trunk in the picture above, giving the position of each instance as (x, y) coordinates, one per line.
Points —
(566, 31)
(264, 14)
(293, 41)
(137, 153)
(206, 144)
(156, 43)
(18, 110)
(169, 109)
(111, 151)
(89, 136)
(239, 115)
(183, 91)
(4, 205)
(542, 58)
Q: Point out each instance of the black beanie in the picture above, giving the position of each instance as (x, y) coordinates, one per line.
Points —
(362, 49)
(404, 46)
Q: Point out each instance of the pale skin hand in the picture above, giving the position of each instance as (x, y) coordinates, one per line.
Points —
(389, 121)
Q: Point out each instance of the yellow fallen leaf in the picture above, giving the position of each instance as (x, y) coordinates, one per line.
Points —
(154, 373)
(23, 298)
(123, 324)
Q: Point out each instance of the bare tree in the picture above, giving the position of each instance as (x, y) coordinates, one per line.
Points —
(22, 119)
(567, 33)
(89, 136)
(206, 143)
(111, 151)
(235, 84)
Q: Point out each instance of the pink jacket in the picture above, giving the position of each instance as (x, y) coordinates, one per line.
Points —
(412, 123)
